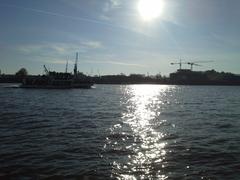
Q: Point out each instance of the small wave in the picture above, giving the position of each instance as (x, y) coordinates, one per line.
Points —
(170, 137)
(224, 126)
(118, 151)
(120, 136)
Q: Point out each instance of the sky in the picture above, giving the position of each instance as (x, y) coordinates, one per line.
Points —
(113, 37)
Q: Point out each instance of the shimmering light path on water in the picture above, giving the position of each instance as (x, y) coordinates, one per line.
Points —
(146, 149)
(121, 132)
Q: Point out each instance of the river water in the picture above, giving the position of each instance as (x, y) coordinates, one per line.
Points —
(120, 132)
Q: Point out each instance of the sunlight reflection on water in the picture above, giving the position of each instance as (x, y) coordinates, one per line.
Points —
(147, 149)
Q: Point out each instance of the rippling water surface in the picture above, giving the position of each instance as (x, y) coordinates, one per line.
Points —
(120, 132)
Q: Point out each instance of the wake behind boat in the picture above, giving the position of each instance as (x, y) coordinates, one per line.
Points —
(58, 80)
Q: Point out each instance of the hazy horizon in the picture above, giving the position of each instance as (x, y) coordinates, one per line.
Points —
(114, 36)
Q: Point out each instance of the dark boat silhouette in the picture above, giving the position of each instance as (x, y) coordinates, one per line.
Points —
(58, 80)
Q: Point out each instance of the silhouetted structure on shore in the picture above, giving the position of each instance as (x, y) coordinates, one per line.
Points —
(188, 77)
(181, 77)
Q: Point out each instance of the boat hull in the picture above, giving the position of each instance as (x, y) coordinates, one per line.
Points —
(77, 86)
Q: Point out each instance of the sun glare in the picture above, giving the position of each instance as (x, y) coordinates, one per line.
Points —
(150, 9)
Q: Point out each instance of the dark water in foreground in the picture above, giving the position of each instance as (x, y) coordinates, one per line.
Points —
(121, 132)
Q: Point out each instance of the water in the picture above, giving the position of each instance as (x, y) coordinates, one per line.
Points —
(120, 132)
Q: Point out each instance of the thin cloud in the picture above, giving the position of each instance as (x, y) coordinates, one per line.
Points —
(114, 63)
(56, 53)
(111, 4)
(108, 6)
(115, 3)
(93, 44)
(103, 17)
(55, 14)
(56, 61)
(59, 48)
(65, 16)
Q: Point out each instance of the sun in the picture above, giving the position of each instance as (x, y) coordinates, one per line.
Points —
(150, 9)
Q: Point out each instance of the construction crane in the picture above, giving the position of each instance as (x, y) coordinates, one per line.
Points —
(46, 70)
(180, 63)
(196, 63)
(193, 64)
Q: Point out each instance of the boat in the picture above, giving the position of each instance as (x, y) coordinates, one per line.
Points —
(58, 80)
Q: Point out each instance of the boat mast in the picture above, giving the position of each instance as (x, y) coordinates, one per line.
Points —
(66, 70)
(75, 66)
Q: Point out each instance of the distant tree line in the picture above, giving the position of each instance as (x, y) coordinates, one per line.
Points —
(22, 73)
(130, 79)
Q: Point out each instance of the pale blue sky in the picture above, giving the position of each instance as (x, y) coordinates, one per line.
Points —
(112, 38)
